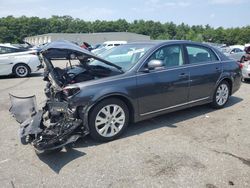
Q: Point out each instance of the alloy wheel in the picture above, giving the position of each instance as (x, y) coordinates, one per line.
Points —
(222, 94)
(110, 120)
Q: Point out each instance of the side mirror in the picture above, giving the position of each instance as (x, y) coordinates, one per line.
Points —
(232, 52)
(154, 64)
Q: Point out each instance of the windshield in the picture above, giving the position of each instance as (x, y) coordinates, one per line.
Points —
(124, 56)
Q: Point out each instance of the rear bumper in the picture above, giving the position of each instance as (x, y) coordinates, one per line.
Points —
(246, 69)
(35, 63)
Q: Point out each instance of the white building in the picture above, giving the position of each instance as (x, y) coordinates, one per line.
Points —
(91, 38)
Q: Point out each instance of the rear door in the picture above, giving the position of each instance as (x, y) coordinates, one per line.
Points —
(205, 71)
(163, 88)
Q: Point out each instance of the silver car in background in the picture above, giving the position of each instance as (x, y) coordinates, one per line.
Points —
(234, 53)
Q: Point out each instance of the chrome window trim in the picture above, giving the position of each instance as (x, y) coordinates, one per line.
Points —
(159, 71)
(184, 58)
(175, 106)
(180, 67)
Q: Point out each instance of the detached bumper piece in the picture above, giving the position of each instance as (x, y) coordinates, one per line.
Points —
(23, 108)
(57, 136)
(48, 129)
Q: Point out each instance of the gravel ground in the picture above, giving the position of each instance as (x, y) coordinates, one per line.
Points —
(197, 147)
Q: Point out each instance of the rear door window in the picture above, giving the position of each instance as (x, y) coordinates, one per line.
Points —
(7, 50)
(237, 50)
(200, 54)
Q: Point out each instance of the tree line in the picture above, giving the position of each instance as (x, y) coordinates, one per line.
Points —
(14, 29)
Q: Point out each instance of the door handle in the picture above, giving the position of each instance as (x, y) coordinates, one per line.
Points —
(218, 69)
(183, 75)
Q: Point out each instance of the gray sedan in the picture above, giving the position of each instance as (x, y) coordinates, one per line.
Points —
(130, 83)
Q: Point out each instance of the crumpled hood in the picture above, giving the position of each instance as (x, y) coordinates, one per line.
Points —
(90, 83)
(66, 45)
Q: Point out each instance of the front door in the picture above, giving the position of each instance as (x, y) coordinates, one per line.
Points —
(166, 87)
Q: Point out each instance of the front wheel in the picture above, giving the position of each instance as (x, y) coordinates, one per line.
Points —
(221, 95)
(108, 119)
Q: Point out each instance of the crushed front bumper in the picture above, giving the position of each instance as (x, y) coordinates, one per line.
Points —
(47, 129)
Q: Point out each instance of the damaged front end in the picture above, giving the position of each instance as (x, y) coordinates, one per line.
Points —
(59, 121)
(56, 123)
(50, 128)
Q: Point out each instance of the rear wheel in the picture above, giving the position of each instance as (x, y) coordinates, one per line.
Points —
(108, 119)
(221, 95)
(21, 70)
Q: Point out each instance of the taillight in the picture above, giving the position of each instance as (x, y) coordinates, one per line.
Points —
(240, 65)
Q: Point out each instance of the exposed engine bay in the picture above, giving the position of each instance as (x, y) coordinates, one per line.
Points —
(57, 124)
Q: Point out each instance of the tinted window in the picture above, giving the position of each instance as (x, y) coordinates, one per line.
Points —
(6, 50)
(237, 50)
(199, 54)
(170, 55)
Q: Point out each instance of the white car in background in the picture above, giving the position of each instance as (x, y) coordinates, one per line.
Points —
(107, 46)
(111, 44)
(246, 70)
(19, 62)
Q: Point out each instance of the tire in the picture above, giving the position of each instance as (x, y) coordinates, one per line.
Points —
(21, 70)
(221, 95)
(106, 125)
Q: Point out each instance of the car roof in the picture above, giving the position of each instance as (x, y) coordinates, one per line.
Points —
(165, 42)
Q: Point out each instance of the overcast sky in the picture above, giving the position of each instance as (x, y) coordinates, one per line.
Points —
(226, 13)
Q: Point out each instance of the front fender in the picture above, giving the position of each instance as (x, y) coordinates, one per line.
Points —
(92, 94)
